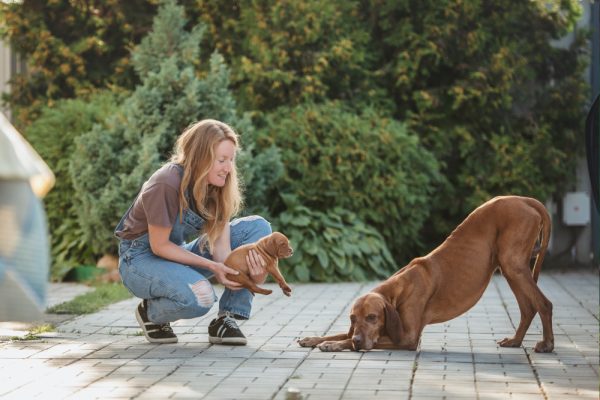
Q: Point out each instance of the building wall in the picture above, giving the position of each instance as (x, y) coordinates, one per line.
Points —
(6, 62)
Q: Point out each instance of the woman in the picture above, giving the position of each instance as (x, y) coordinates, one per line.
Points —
(191, 197)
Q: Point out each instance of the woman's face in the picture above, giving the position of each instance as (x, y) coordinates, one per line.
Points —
(223, 164)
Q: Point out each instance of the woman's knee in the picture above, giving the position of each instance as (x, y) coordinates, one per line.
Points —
(259, 225)
(199, 300)
(262, 226)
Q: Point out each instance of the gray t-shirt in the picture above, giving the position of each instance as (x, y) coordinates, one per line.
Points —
(157, 204)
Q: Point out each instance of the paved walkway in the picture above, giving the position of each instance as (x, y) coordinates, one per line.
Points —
(103, 356)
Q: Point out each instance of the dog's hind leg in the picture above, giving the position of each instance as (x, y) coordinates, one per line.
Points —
(531, 300)
(527, 314)
(514, 250)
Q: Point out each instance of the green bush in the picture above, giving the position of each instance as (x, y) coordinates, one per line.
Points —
(365, 163)
(333, 245)
(53, 135)
(260, 171)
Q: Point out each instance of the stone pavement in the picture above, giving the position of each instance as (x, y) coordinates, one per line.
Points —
(104, 355)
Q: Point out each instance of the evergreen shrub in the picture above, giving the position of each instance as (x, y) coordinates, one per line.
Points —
(53, 135)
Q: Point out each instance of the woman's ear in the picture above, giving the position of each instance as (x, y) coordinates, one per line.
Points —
(393, 326)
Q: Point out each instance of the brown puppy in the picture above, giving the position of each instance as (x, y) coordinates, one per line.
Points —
(447, 282)
(272, 247)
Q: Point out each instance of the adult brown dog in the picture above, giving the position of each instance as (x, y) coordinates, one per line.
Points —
(452, 278)
(271, 247)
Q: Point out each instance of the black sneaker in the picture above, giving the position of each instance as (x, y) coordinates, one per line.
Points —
(224, 330)
(155, 333)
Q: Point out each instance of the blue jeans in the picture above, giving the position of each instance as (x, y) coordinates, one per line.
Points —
(176, 291)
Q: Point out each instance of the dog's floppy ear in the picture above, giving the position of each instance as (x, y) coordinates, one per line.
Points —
(392, 322)
(351, 331)
(271, 244)
(282, 246)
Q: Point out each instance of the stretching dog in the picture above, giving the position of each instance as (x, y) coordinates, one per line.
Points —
(452, 278)
(271, 247)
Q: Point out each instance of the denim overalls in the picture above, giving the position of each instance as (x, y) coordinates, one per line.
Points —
(170, 286)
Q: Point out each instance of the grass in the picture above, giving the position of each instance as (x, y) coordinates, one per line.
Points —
(34, 332)
(104, 295)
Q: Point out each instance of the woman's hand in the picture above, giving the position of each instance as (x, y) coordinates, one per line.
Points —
(256, 267)
(220, 270)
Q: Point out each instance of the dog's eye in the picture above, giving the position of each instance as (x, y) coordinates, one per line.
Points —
(353, 318)
(371, 318)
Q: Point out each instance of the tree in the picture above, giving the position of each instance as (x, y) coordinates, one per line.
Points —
(71, 48)
(489, 92)
(288, 52)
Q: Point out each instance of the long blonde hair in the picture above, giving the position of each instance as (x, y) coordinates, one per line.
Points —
(195, 152)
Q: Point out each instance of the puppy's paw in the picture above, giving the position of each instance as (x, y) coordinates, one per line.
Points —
(509, 342)
(331, 346)
(286, 289)
(543, 347)
(311, 341)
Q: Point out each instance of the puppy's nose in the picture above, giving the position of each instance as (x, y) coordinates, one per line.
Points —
(356, 340)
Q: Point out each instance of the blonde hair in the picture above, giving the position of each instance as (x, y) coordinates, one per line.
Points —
(195, 152)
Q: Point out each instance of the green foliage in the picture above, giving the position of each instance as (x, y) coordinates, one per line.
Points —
(53, 135)
(365, 163)
(468, 78)
(289, 52)
(261, 170)
(487, 89)
(71, 47)
(113, 160)
(334, 245)
(486, 86)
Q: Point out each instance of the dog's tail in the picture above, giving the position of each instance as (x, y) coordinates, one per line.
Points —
(545, 235)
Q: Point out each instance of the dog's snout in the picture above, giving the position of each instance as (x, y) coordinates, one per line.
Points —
(356, 341)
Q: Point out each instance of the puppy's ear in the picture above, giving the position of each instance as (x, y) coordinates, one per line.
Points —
(272, 245)
(282, 247)
(393, 325)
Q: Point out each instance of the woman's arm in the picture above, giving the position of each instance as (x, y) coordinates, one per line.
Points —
(256, 263)
(222, 246)
(163, 247)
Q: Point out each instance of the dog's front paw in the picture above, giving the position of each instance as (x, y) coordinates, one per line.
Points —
(509, 342)
(311, 341)
(331, 346)
(543, 347)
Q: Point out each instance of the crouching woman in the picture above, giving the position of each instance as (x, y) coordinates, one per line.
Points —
(193, 196)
